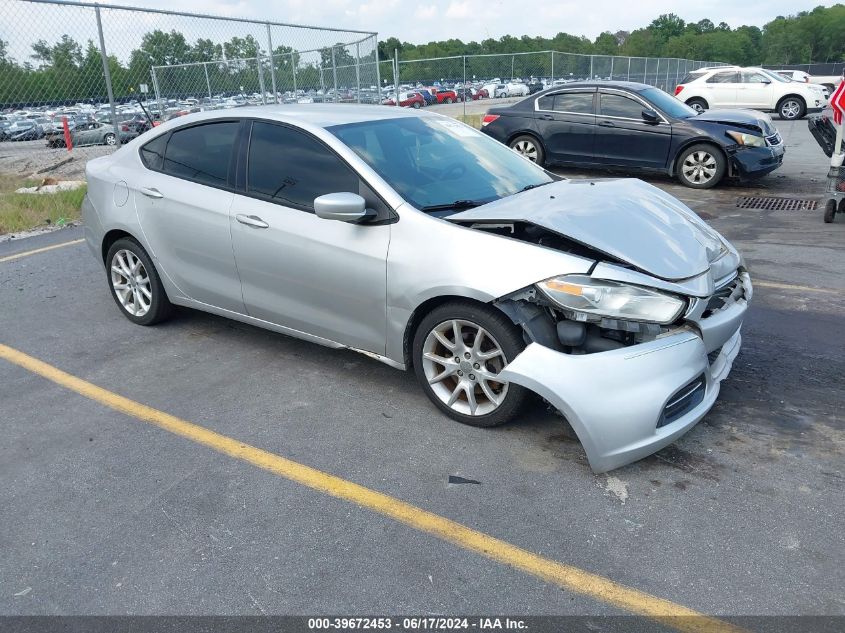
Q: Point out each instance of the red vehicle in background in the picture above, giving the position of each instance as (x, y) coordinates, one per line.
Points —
(445, 96)
(407, 100)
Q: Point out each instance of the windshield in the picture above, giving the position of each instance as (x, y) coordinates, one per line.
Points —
(668, 104)
(434, 161)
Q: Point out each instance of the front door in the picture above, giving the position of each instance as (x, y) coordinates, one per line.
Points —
(754, 91)
(322, 277)
(720, 89)
(624, 137)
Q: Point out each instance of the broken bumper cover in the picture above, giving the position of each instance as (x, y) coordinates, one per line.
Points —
(617, 401)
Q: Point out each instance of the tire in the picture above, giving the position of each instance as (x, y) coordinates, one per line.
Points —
(529, 147)
(792, 108)
(500, 335)
(110, 139)
(701, 166)
(829, 211)
(698, 104)
(448, 99)
(158, 306)
(416, 105)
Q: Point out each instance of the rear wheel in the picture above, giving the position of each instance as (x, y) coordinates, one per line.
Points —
(529, 147)
(697, 104)
(701, 166)
(448, 99)
(458, 351)
(791, 108)
(110, 139)
(416, 105)
(829, 211)
(135, 285)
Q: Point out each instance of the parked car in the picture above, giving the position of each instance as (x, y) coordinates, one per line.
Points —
(427, 95)
(516, 89)
(92, 133)
(446, 96)
(754, 88)
(611, 299)
(794, 75)
(622, 124)
(482, 93)
(535, 87)
(24, 130)
(407, 100)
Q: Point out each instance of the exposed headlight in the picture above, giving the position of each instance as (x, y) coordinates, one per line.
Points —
(588, 296)
(751, 140)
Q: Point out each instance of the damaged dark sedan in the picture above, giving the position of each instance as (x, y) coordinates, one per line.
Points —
(630, 125)
(418, 241)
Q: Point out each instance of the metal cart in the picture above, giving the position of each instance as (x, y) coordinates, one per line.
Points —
(835, 193)
(824, 131)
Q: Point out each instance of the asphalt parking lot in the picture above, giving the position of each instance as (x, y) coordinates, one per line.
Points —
(104, 512)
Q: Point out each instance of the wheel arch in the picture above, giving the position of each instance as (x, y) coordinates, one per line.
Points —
(111, 237)
(526, 132)
(793, 95)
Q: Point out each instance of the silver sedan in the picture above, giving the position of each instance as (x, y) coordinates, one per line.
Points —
(420, 242)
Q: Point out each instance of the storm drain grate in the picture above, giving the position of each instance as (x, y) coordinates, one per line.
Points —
(776, 204)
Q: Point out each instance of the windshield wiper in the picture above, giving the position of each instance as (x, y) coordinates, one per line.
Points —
(539, 184)
(457, 204)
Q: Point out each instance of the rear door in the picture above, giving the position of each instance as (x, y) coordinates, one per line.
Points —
(566, 122)
(720, 89)
(183, 199)
(624, 137)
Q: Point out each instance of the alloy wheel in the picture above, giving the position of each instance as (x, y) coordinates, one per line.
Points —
(699, 167)
(131, 283)
(790, 109)
(527, 149)
(461, 361)
(111, 139)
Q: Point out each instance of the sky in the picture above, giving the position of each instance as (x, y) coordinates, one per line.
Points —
(420, 21)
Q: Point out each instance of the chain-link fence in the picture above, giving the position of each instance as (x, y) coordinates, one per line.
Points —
(78, 74)
(511, 75)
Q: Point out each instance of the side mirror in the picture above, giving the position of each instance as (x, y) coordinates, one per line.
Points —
(650, 116)
(342, 206)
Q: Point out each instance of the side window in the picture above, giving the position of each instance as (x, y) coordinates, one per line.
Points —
(152, 154)
(617, 105)
(580, 102)
(730, 77)
(754, 78)
(201, 153)
(292, 168)
(546, 103)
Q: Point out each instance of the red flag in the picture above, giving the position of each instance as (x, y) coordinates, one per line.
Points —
(68, 140)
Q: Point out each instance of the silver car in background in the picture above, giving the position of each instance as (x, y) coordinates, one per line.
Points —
(419, 241)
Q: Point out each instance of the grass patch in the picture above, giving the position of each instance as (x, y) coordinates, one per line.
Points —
(471, 119)
(23, 211)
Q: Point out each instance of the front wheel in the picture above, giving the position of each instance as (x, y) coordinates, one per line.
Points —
(416, 105)
(792, 108)
(529, 147)
(697, 104)
(134, 283)
(829, 211)
(458, 351)
(110, 139)
(701, 166)
(448, 99)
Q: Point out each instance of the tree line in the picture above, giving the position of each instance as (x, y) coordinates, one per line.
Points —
(68, 71)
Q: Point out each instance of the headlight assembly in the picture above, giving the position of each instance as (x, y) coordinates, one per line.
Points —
(749, 140)
(586, 296)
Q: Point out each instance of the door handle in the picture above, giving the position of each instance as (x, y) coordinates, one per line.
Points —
(252, 220)
(151, 192)
(607, 124)
(547, 117)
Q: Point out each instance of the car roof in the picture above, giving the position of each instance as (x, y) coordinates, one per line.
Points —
(633, 86)
(321, 115)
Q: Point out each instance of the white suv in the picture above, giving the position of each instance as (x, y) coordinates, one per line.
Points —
(753, 88)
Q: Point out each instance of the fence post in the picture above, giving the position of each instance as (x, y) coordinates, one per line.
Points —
(107, 74)
(157, 91)
(334, 77)
(261, 80)
(591, 67)
(657, 74)
(512, 58)
(272, 65)
(293, 70)
(464, 88)
(612, 57)
(358, 72)
(378, 72)
(629, 69)
(207, 80)
(396, 74)
(553, 66)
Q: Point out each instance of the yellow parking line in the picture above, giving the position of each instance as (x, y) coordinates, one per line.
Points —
(565, 576)
(774, 284)
(35, 251)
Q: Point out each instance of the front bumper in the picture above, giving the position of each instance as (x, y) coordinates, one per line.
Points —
(755, 162)
(616, 401)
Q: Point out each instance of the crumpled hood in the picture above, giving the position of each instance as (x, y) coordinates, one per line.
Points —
(627, 219)
(742, 118)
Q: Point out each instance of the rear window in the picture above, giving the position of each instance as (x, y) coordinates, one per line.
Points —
(152, 154)
(689, 77)
(201, 153)
(728, 77)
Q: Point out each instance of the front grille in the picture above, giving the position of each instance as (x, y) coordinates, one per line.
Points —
(683, 401)
(723, 296)
(774, 139)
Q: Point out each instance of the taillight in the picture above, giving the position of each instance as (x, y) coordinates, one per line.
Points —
(489, 118)
(678, 89)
